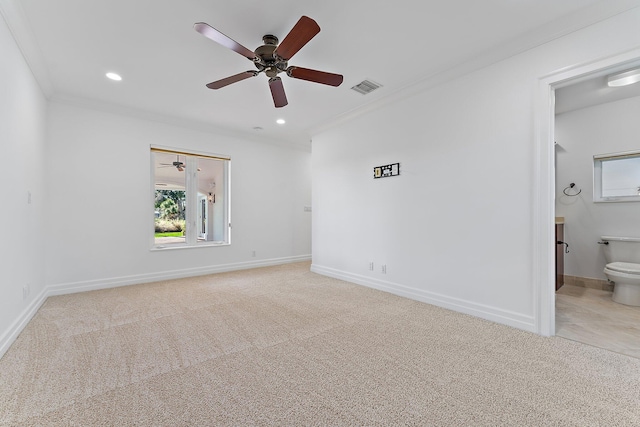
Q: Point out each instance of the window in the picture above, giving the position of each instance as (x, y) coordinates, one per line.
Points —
(616, 177)
(190, 199)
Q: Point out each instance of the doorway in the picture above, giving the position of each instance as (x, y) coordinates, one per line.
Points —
(546, 175)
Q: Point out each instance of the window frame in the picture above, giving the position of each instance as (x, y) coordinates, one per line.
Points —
(597, 177)
(191, 196)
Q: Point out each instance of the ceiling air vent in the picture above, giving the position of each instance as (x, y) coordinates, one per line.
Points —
(366, 86)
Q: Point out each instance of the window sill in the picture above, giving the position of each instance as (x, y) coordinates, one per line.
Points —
(161, 248)
(618, 200)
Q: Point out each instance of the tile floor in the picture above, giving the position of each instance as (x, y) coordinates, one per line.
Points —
(591, 317)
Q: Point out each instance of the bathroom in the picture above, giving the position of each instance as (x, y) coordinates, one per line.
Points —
(593, 119)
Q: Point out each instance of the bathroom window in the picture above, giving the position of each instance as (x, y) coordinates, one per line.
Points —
(616, 177)
(190, 193)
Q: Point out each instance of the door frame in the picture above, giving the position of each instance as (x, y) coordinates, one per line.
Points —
(543, 273)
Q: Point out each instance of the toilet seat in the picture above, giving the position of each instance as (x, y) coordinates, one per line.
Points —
(624, 267)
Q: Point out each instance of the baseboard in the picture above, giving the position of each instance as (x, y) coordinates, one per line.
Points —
(587, 282)
(19, 324)
(493, 314)
(68, 288)
(113, 282)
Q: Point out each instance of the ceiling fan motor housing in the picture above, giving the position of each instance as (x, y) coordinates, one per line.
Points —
(270, 63)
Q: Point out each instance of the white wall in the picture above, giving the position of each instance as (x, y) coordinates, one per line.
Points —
(22, 127)
(456, 228)
(99, 214)
(581, 134)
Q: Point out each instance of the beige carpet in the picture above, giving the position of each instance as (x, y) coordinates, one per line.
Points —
(283, 346)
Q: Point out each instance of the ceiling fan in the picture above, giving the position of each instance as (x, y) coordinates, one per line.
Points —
(177, 164)
(272, 58)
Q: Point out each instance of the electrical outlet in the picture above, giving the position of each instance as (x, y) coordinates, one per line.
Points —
(28, 197)
(307, 208)
(253, 254)
(371, 266)
(383, 268)
(25, 291)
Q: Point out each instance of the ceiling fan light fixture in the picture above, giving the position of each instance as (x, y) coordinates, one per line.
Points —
(625, 78)
(272, 71)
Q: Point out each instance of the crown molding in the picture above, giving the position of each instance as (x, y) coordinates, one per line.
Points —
(20, 29)
(18, 25)
(549, 32)
(296, 142)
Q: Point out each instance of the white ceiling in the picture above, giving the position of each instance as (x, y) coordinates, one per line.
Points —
(165, 64)
(593, 90)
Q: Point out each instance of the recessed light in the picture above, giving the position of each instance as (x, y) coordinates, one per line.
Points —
(625, 78)
(280, 121)
(114, 76)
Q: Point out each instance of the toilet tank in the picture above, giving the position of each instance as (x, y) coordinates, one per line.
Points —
(622, 249)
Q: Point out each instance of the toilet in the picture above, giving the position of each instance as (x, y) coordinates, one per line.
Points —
(623, 268)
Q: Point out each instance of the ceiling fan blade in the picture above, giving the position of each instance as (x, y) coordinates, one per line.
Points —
(315, 76)
(215, 35)
(277, 92)
(231, 79)
(304, 30)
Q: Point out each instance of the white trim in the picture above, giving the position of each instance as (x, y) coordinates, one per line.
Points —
(227, 202)
(69, 288)
(189, 152)
(113, 282)
(544, 183)
(621, 155)
(174, 246)
(14, 16)
(296, 142)
(191, 198)
(543, 219)
(152, 200)
(493, 314)
(546, 33)
(21, 321)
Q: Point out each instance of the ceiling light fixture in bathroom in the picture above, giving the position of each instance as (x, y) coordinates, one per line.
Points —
(625, 78)
(113, 76)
